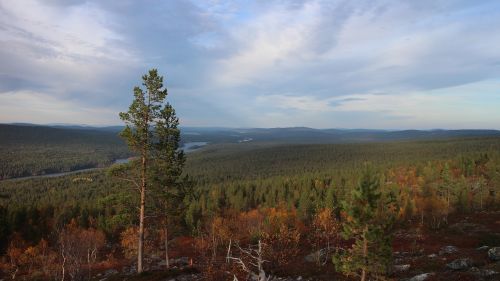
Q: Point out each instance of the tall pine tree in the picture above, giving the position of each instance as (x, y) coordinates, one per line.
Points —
(166, 173)
(151, 132)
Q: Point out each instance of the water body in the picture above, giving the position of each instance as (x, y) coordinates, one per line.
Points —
(53, 175)
(122, 161)
(187, 147)
(245, 140)
(192, 146)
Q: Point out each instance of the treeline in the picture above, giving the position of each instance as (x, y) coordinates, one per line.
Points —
(38, 150)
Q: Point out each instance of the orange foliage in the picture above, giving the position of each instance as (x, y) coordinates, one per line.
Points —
(324, 234)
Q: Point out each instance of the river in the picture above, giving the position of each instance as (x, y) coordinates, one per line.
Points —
(187, 147)
(53, 175)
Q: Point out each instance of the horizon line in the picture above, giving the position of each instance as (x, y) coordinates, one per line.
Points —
(249, 128)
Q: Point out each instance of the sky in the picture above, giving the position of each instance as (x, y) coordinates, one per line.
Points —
(264, 63)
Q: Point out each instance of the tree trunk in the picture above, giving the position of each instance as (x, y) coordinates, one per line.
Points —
(365, 255)
(63, 266)
(140, 248)
(88, 263)
(481, 197)
(167, 264)
(228, 251)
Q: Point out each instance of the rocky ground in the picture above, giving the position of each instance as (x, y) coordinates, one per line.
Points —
(467, 249)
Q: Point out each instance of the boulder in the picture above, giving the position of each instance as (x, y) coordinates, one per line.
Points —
(448, 250)
(401, 267)
(482, 248)
(319, 255)
(494, 253)
(460, 264)
(110, 272)
(483, 272)
(179, 261)
(188, 277)
(420, 277)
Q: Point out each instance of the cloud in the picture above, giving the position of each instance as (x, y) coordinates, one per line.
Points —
(465, 106)
(302, 103)
(49, 109)
(236, 63)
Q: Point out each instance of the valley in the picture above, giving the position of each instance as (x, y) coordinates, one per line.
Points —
(239, 184)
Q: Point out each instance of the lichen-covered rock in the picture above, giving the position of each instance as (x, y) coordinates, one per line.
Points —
(448, 250)
(420, 277)
(110, 272)
(180, 261)
(482, 248)
(316, 256)
(401, 267)
(460, 264)
(483, 272)
(494, 253)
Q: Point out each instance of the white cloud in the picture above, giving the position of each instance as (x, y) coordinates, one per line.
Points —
(467, 106)
(242, 63)
(272, 41)
(71, 32)
(303, 103)
(50, 109)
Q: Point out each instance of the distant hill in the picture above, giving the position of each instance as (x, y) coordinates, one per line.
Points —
(42, 135)
(27, 150)
(303, 135)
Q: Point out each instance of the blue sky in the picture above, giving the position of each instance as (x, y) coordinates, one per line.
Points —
(324, 64)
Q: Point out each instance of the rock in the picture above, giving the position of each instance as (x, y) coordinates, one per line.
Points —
(401, 267)
(127, 271)
(468, 228)
(432, 256)
(494, 253)
(316, 256)
(460, 264)
(448, 250)
(110, 272)
(179, 261)
(420, 277)
(187, 277)
(483, 272)
(482, 248)
(299, 278)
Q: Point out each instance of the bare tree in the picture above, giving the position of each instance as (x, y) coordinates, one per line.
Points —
(251, 261)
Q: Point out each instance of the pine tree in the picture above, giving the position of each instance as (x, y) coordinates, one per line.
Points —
(168, 162)
(146, 114)
(368, 222)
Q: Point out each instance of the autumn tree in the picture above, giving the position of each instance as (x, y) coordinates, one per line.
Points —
(78, 249)
(281, 235)
(323, 235)
(368, 222)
